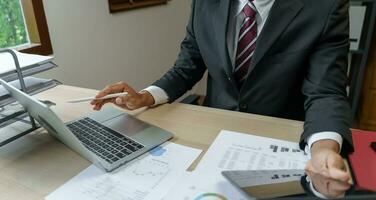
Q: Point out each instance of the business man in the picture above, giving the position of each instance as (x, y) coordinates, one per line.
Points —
(282, 58)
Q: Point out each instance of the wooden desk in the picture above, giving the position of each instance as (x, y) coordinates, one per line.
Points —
(37, 164)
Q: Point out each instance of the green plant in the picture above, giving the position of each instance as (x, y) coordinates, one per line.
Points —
(12, 24)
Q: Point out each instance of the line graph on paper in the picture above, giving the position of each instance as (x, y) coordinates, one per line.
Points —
(151, 176)
(148, 173)
(107, 188)
(147, 177)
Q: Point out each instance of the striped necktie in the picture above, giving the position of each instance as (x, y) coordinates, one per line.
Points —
(246, 45)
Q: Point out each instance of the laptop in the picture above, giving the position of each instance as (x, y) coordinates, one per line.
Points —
(294, 184)
(108, 138)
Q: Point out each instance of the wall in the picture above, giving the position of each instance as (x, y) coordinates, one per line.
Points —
(94, 48)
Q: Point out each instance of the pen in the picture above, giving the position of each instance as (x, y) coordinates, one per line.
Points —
(102, 98)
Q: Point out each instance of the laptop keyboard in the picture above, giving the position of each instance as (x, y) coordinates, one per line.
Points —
(103, 141)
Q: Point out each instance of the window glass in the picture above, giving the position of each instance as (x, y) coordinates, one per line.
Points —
(13, 31)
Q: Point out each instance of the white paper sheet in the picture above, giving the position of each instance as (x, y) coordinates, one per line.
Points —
(246, 178)
(7, 63)
(236, 151)
(149, 177)
(357, 16)
(201, 186)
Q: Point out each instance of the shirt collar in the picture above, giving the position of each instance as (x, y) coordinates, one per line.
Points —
(260, 5)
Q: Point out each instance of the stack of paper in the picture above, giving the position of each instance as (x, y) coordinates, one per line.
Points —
(357, 16)
(25, 60)
(30, 64)
(161, 175)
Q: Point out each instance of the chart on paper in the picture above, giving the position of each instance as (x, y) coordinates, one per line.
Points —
(197, 186)
(197, 193)
(113, 188)
(108, 188)
(149, 177)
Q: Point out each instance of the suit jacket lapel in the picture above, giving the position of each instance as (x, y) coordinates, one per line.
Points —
(220, 15)
(280, 16)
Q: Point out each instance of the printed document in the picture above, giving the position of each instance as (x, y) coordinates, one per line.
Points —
(149, 177)
(236, 151)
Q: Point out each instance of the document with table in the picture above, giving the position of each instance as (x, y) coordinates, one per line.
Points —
(236, 151)
(161, 174)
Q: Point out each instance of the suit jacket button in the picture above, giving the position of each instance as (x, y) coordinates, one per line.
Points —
(229, 78)
(243, 107)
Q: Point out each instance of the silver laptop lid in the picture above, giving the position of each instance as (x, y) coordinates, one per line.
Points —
(50, 121)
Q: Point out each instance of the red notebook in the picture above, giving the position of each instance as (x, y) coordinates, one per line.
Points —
(363, 160)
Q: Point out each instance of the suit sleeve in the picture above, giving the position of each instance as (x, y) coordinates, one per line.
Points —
(326, 104)
(188, 68)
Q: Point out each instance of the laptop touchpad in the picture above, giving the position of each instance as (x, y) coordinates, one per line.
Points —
(126, 124)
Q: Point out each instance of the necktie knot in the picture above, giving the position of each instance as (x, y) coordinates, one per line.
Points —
(249, 11)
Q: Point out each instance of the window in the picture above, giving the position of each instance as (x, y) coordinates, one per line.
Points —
(121, 5)
(12, 24)
(23, 26)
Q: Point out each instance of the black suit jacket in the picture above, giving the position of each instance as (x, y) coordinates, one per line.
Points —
(298, 70)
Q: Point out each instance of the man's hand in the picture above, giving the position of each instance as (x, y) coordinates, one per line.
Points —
(327, 187)
(131, 101)
(326, 161)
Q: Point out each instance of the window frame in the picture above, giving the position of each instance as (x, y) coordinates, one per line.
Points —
(37, 28)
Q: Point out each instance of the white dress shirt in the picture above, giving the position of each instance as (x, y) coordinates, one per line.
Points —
(236, 18)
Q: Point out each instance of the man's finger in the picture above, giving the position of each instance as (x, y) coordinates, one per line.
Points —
(337, 169)
(115, 88)
(130, 90)
(121, 100)
(96, 101)
(99, 105)
(318, 165)
(310, 168)
(338, 174)
(337, 189)
(126, 102)
(339, 185)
